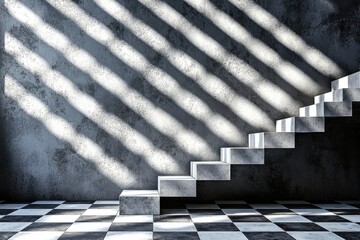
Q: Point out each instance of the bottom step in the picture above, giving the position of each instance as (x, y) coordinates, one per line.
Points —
(139, 202)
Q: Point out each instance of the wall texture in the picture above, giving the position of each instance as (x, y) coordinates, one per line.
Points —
(100, 96)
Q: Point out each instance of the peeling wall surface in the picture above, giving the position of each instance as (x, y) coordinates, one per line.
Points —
(100, 96)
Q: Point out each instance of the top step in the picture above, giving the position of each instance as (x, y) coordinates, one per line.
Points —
(351, 81)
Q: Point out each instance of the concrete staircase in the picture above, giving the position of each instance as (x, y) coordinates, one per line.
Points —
(337, 103)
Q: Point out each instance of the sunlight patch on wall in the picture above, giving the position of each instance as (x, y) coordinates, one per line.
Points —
(189, 66)
(268, 91)
(286, 70)
(162, 81)
(61, 129)
(185, 139)
(289, 38)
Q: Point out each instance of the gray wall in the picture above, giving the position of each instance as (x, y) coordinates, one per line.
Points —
(100, 96)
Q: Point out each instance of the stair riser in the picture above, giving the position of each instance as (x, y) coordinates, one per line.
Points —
(242, 156)
(177, 188)
(271, 140)
(330, 109)
(139, 205)
(351, 81)
(341, 95)
(210, 172)
(301, 125)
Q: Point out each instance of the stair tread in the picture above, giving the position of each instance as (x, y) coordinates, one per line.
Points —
(139, 193)
(176, 178)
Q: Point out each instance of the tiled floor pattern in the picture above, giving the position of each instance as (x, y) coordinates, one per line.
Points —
(224, 220)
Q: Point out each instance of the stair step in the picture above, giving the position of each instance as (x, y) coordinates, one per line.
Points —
(177, 186)
(210, 170)
(139, 202)
(272, 140)
(242, 155)
(301, 124)
(351, 81)
(327, 109)
(340, 95)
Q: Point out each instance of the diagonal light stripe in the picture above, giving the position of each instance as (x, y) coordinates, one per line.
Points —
(288, 38)
(229, 61)
(60, 128)
(189, 66)
(87, 105)
(185, 139)
(165, 83)
(290, 73)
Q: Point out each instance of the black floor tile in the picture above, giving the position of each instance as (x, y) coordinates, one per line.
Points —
(349, 235)
(83, 236)
(66, 212)
(41, 206)
(95, 218)
(268, 236)
(131, 227)
(275, 211)
(173, 205)
(48, 227)
(6, 235)
(346, 211)
(357, 205)
(300, 206)
(175, 236)
(220, 227)
(6, 211)
(248, 218)
(172, 218)
(300, 227)
(326, 219)
(23, 218)
(234, 206)
(206, 211)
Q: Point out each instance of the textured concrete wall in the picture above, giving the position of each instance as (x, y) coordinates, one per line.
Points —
(100, 96)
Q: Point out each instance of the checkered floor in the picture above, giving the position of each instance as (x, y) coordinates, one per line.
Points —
(225, 220)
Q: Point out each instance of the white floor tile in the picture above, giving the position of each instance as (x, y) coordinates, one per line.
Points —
(134, 218)
(268, 206)
(198, 218)
(13, 226)
(314, 236)
(37, 235)
(258, 227)
(48, 202)
(111, 212)
(286, 218)
(340, 227)
(202, 206)
(313, 212)
(241, 212)
(129, 235)
(352, 218)
(174, 227)
(89, 227)
(12, 206)
(32, 212)
(73, 206)
(222, 236)
(58, 218)
(107, 202)
(335, 206)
